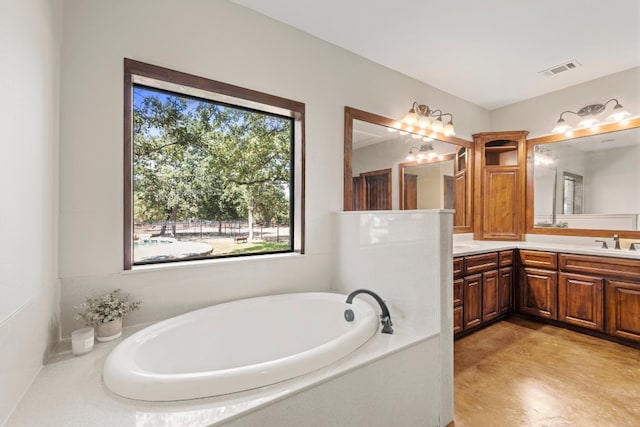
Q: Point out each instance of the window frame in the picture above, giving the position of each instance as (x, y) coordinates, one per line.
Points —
(136, 72)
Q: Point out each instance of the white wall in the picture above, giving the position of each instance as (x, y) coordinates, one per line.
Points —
(226, 42)
(405, 257)
(539, 115)
(29, 48)
(613, 184)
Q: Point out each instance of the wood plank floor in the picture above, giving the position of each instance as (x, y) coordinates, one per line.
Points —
(522, 373)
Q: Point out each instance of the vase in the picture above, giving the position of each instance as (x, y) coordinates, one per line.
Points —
(109, 331)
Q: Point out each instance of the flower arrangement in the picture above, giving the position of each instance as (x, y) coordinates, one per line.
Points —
(108, 307)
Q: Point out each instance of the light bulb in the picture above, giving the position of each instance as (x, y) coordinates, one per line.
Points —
(618, 115)
(449, 129)
(588, 122)
(437, 125)
(561, 127)
(411, 117)
(424, 122)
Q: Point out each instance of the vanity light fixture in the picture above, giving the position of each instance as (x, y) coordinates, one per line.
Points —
(588, 117)
(425, 152)
(424, 117)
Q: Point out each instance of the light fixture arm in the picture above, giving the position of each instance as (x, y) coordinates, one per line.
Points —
(593, 109)
(425, 110)
(588, 112)
(426, 118)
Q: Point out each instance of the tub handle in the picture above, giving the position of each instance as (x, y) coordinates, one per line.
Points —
(348, 315)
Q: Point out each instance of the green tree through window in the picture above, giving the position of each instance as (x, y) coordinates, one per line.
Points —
(208, 178)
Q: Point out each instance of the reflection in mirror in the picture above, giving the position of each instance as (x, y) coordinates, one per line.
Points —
(394, 169)
(427, 185)
(573, 195)
(589, 182)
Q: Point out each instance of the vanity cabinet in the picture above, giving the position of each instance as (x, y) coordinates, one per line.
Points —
(499, 185)
(505, 282)
(472, 306)
(482, 289)
(458, 295)
(458, 285)
(538, 287)
(623, 309)
(592, 280)
(596, 293)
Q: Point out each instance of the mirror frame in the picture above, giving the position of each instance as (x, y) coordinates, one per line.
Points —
(531, 143)
(351, 114)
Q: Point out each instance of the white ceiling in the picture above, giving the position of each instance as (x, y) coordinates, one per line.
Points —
(487, 52)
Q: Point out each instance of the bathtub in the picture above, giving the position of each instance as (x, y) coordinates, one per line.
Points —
(237, 346)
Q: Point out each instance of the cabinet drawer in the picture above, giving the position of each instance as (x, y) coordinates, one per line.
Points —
(539, 259)
(479, 263)
(458, 267)
(506, 258)
(600, 266)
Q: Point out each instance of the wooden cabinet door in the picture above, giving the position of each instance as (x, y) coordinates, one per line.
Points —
(505, 284)
(460, 199)
(623, 309)
(458, 285)
(458, 321)
(501, 203)
(580, 300)
(490, 292)
(472, 301)
(538, 293)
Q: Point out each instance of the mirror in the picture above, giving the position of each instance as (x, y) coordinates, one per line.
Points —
(389, 169)
(587, 183)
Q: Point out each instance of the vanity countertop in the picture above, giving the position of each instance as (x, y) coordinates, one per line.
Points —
(471, 247)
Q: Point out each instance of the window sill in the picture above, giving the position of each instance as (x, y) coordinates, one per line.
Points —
(182, 265)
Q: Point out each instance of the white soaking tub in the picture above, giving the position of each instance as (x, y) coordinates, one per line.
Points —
(237, 346)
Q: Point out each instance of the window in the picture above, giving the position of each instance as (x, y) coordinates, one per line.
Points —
(211, 170)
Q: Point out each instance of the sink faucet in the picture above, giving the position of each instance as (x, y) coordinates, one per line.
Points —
(385, 317)
(616, 239)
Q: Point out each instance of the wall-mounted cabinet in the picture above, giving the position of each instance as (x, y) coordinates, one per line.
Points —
(499, 184)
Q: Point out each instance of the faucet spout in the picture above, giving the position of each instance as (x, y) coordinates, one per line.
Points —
(385, 317)
(616, 239)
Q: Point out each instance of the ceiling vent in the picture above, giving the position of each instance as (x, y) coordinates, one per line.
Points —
(557, 69)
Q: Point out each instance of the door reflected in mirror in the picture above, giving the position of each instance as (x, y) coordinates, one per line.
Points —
(427, 185)
(386, 168)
